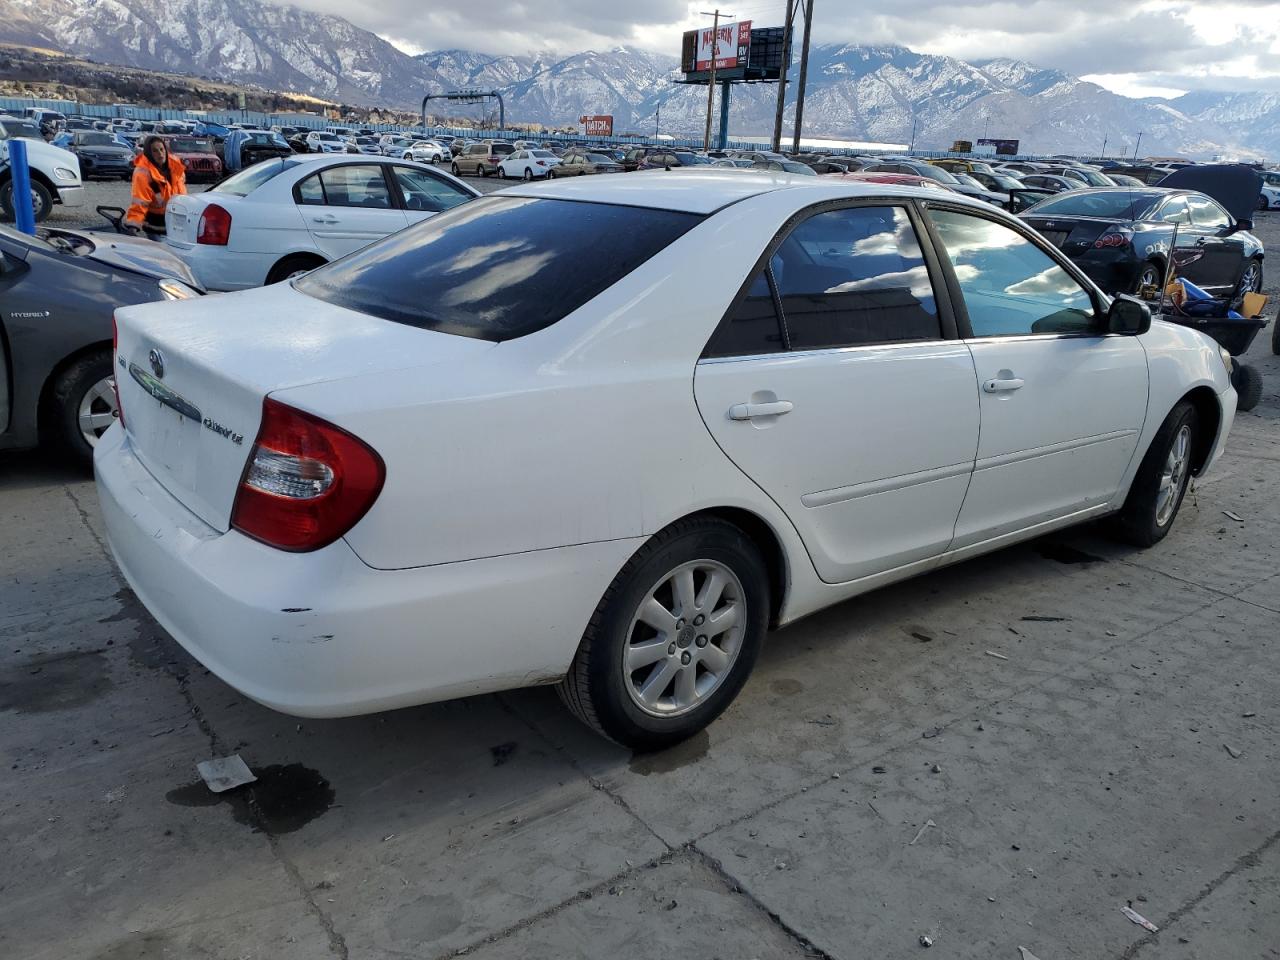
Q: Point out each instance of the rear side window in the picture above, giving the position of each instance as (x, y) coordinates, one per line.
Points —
(752, 327)
(499, 267)
(855, 276)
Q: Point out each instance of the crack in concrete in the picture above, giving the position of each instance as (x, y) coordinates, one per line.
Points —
(1244, 862)
(1222, 594)
(217, 748)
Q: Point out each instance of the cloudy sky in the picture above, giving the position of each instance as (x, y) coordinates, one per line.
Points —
(1136, 47)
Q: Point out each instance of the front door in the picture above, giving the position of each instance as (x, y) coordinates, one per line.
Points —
(1210, 255)
(348, 207)
(1062, 404)
(851, 407)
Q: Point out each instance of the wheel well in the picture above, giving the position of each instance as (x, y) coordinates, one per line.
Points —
(1205, 402)
(762, 535)
(46, 390)
(309, 258)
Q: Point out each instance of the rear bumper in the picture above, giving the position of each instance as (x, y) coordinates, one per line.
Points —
(1109, 272)
(218, 268)
(323, 635)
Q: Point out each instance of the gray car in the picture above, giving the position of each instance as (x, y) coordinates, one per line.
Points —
(58, 292)
(101, 155)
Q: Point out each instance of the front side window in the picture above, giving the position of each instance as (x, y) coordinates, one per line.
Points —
(852, 277)
(1175, 211)
(499, 267)
(422, 191)
(1011, 287)
(1207, 215)
(356, 186)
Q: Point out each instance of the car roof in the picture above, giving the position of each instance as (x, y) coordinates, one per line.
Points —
(707, 189)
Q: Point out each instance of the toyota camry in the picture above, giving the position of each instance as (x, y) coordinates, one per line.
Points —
(604, 433)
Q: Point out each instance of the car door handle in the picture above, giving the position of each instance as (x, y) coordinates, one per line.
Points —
(1002, 386)
(327, 218)
(749, 411)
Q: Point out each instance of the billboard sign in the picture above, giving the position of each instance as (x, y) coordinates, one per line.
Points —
(729, 44)
(598, 126)
(1004, 148)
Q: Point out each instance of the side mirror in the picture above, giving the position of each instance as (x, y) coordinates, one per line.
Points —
(1129, 316)
(1242, 225)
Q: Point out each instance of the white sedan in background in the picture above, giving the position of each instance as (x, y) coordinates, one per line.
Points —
(530, 164)
(428, 151)
(604, 433)
(283, 217)
(322, 141)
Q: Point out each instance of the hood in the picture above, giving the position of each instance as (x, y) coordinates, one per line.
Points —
(105, 150)
(1233, 185)
(41, 154)
(138, 255)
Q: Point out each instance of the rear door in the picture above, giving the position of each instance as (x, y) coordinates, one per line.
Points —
(347, 207)
(835, 383)
(1062, 404)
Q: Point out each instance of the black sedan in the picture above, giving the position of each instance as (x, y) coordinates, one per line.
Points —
(59, 290)
(918, 168)
(1121, 237)
(101, 155)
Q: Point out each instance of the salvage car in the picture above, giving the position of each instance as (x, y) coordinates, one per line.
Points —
(597, 433)
(101, 154)
(529, 164)
(1121, 237)
(55, 176)
(577, 163)
(198, 156)
(58, 290)
(281, 218)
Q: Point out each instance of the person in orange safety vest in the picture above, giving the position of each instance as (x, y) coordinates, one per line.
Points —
(157, 176)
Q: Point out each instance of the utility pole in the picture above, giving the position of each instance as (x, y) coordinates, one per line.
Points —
(711, 84)
(1104, 147)
(911, 149)
(1137, 145)
(657, 119)
(782, 78)
(804, 74)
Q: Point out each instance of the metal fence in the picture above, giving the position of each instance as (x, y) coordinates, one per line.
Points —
(226, 117)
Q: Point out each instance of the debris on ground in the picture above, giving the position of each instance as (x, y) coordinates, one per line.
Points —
(1233, 516)
(877, 769)
(927, 825)
(926, 940)
(935, 769)
(1045, 619)
(921, 636)
(931, 733)
(1235, 754)
(1248, 714)
(225, 773)
(1025, 954)
(1139, 919)
(992, 653)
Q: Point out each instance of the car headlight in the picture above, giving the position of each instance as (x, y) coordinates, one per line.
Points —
(176, 290)
(62, 173)
(1225, 354)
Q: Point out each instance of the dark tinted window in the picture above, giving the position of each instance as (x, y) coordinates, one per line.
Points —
(750, 328)
(855, 276)
(1010, 285)
(497, 268)
(1113, 205)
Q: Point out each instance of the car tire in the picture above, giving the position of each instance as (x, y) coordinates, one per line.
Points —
(41, 197)
(81, 406)
(1151, 271)
(1161, 481)
(480, 170)
(528, 174)
(1263, 203)
(1251, 280)
(703, 673)
(1275, 336)
(1248, 383)
(292, 266)
(454, 170)
(551, 174)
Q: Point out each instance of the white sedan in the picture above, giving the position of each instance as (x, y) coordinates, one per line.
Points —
(428, 151)
(605, 433)
(279, 218)
(322, 141)
(529, 165)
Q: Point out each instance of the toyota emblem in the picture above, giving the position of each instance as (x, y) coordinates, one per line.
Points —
(157, 363)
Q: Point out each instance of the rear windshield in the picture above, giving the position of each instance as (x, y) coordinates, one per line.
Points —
(497, 268)
(1113, 205)
(251, 178)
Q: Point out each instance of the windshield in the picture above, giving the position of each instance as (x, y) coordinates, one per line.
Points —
(251, 178)
(541, 153)
(599, 158)
(21, 128)
(325, 136)
(1111, 205)
(95, 139)
(262, 138)
(497, 268)
(793, 166)
(190, 145)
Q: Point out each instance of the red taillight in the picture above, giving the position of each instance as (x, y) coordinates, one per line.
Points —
(214, 227)
(542, 163)
(307, 482)
(115, 366)
(1114, 238)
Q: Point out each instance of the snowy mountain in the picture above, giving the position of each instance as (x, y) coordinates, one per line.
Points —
(879, 93)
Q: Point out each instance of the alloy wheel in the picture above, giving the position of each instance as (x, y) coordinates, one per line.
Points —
(1251, 281)
(97, 410)
(1173, 475)
(685, 638)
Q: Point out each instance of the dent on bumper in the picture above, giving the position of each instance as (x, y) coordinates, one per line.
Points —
(321, 634)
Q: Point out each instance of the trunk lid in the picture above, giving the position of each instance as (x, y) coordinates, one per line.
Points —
(192, 376)
(1070, 233)
(182, 216)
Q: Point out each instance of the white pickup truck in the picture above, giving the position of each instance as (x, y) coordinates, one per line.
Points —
(55, 173)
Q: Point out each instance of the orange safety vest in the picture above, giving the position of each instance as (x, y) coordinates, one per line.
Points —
(151, 191)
